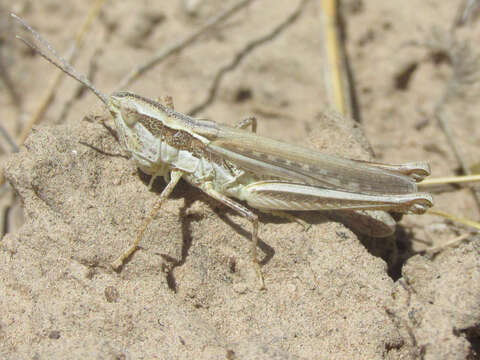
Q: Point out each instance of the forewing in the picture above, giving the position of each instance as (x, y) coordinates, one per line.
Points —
(268, 157)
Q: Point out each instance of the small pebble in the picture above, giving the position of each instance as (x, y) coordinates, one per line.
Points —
(111, 294)
(240, 288)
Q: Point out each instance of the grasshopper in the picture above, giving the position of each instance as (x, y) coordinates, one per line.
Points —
(230, 163)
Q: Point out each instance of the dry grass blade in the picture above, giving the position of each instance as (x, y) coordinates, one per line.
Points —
(9, 83)
(464, 72)
(47, 99)
(450, 180)
(8, 138)
(15, 99)
(80, 89)
(465, 65)
(454, 218)
(335, 73)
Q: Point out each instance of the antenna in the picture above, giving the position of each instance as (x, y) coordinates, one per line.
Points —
(57, 60)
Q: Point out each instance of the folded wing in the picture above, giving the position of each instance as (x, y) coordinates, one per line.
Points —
(268, 157)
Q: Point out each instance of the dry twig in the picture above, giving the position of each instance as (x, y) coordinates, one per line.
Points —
(174, 48)
(241, 55)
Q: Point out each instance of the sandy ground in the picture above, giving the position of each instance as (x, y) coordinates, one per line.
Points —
(190, 291)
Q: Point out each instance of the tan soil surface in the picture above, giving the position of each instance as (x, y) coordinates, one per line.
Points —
(190, 291)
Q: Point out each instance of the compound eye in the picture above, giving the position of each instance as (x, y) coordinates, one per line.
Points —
(129, 116)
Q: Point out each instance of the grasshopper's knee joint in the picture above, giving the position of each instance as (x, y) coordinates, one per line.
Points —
(117, 264)
(259, 273)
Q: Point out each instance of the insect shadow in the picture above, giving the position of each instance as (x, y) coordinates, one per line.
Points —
(394, 250)
(190, 195)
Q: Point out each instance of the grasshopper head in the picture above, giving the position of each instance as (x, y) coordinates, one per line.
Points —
(124, 117)
(143, 124)
(123, 110)
(139, 123)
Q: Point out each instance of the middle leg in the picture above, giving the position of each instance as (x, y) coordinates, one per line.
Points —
(253, 218)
